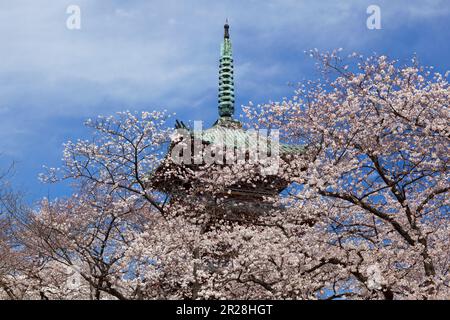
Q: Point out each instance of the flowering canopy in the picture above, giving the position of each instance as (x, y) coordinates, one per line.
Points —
(367, 215)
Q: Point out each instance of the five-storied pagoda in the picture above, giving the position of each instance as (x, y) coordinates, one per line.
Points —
(240, 197)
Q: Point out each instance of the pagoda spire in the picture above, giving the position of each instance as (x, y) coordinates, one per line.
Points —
(226, 84)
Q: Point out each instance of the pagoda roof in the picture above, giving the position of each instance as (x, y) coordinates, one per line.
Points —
(230, 133)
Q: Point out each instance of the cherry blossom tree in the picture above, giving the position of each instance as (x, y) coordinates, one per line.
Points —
(381, 137)
(366, 214)
(120, 158)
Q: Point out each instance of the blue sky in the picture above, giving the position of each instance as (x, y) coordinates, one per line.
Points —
(145, 55)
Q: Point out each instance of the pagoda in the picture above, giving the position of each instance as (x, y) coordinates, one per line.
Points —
(246, 197)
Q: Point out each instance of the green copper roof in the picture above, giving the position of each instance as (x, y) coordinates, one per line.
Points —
(236, 137)
(226, 83)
